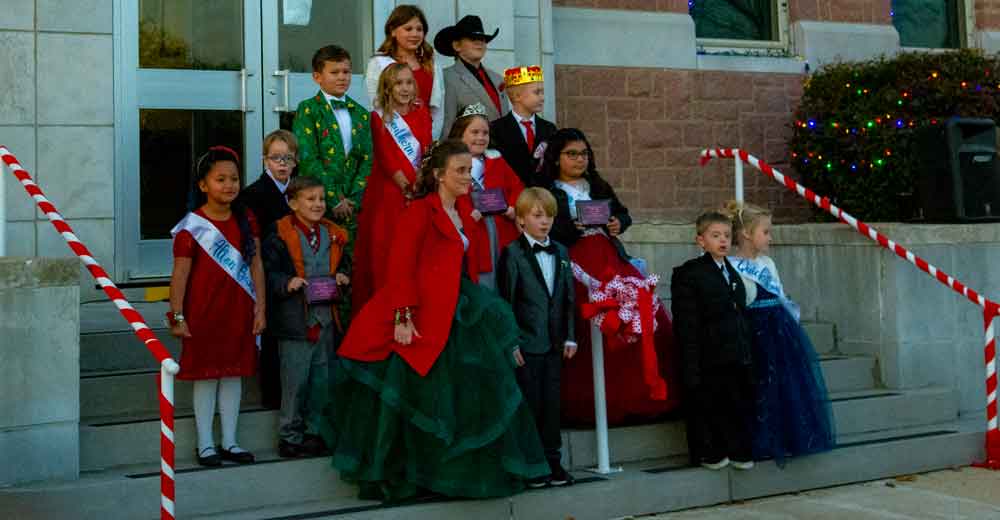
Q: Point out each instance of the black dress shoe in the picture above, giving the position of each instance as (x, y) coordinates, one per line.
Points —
(313, 446)
(537, 483)
(287, 450)
(561, 477)
(240, 457)
(208, 457)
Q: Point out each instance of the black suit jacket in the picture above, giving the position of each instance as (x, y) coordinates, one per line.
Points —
(506, 138)
(710, 321)
(545, 322)
(564, 229)
(265, 200)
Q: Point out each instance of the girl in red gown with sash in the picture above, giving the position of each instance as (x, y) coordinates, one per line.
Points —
(401, 132)
(425, 397)
(642, 376)
(489, 170)
(212, 313)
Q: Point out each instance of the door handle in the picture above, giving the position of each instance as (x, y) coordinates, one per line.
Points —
(244, 74)
(284, 95)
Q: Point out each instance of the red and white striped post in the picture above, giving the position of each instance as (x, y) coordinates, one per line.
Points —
(990, 308)
(168, 367)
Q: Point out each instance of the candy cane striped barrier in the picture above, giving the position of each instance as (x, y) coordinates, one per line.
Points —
(990, 308)
(168, 367)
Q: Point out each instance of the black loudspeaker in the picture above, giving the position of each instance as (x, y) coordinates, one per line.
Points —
(957, 177)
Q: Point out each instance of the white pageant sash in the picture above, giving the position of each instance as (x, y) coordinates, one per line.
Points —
(405, 140)
(218, 248)
(760, 273)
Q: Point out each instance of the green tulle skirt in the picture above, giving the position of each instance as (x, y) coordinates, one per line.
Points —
(463, 430)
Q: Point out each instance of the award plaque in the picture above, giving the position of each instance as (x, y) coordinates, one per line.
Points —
(593, 212)
(322, 289)
(490, 201)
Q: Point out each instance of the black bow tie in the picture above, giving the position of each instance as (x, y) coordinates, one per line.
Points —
(538, 248)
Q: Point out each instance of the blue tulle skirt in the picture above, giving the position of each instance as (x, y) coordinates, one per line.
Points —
(793, 412)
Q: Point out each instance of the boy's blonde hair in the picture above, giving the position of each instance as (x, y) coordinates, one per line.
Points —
(284, 136)
(532, 197)
(708, 218)
(744, 217)
(512, 90)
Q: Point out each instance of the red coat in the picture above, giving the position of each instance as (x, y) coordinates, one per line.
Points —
(424, 272)
(383, 203)
(497, 174)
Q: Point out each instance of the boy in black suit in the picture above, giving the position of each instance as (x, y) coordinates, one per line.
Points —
(710, 323)
(517, 134)
(535, 276)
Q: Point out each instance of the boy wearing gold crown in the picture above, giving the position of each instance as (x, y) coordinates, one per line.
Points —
(517, 135)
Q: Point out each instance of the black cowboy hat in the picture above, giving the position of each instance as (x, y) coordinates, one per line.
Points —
(468, 27)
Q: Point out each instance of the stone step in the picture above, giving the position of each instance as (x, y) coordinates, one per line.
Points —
(135, 391)
(120, 440)
(309, 488)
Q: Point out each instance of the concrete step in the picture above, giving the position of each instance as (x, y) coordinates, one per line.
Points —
(120, 440)
(309, 488)
(135, 391)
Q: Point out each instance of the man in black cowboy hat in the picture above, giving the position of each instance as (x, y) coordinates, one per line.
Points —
(467, 81)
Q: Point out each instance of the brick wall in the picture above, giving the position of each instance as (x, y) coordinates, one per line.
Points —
(647, 127)
(987, 14)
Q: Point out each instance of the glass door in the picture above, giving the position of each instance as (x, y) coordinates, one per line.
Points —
(194, 82)
(292, 31)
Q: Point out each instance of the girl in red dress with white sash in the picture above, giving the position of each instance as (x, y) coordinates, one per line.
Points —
(217, 301)
(489, 171)
(401, 132)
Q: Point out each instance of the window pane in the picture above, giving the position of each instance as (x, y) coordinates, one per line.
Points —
(307, 25)
(927, 23)
(169, 143)
(734, 19)
(191, 34)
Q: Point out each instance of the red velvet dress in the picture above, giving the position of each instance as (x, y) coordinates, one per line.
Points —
(218, 311)
(382, 204)
(628, 394)
(497, 174)
(425, 84)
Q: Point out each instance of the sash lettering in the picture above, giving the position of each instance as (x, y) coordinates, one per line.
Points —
(761, 275)
(405, 140)
(214, 243)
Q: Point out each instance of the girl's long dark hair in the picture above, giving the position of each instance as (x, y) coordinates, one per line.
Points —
(202, 166)
(553, 151)
(437, 159)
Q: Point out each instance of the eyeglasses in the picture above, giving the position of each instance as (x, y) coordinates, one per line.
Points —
(573, 154)
(282, 159)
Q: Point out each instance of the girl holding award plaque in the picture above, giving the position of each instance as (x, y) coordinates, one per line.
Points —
(495, 188)
(401, 132)
(639, 357)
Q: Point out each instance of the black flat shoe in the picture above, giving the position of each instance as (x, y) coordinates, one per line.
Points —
(313, 446)
(287, 450)
(211, 458)
(240, 457)
(561, 477)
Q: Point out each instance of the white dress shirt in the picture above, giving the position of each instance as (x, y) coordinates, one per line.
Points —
(524, 130)
(343, 121)
(281, 187)
(722, 267)
(546, 261)
(479, 171)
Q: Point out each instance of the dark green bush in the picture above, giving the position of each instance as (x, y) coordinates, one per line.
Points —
(854, 129)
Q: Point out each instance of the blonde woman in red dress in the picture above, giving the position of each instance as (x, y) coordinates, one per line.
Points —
(405, 42)
(401, 132)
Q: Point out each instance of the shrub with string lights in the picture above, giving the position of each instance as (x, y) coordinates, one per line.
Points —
(854, 129)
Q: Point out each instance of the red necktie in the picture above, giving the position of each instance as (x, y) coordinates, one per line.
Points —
(490, 89)
(529, 136)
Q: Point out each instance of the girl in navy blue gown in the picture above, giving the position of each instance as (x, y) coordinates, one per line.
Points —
(793, 413)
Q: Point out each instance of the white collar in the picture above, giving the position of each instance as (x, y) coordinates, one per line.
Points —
(281, 186)
(520, 119)
(532, 241)
(722, 264)
(329, 97)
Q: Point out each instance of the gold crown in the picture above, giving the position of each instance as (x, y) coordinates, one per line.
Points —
(475, 109)
(522, 75)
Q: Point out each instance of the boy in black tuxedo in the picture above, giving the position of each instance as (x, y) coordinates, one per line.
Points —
(517, 134)
(535, 276)
(710, 323)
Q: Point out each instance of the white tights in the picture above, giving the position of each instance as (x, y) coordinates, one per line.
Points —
(227, 391)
